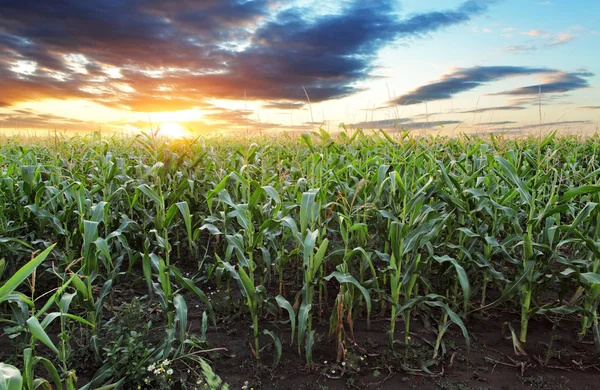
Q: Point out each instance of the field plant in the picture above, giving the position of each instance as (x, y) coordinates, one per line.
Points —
(114, 241)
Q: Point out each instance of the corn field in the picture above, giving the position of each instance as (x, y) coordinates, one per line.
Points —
(302, 237)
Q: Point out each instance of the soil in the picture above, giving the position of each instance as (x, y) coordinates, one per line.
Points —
(493, 364)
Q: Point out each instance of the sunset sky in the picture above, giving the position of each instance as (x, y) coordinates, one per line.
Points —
(226, 66)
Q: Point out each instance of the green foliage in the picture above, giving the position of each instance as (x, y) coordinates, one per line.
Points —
(10, 377)
(127, 349)
(316, 227)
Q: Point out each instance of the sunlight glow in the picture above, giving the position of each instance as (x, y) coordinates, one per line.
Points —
(173, 130)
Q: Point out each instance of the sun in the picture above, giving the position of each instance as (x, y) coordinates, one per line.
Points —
(173, 130)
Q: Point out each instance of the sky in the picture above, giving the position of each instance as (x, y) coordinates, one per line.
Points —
(264, 66)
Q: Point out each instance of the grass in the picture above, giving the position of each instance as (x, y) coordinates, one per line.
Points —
(383, 225)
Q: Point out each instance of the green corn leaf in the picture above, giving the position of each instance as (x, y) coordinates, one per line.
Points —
(583, 190)
(147, 268)
(462, 277)
(36, 329)
(303, 314)
(4, 240)
(237, 243)
(181, 315)
(283, 303)
(23, 273)
(512, 175)
(308, 210)
(189, 285)
(277, 344)
(583, 215)
(218, 188)
(512, 288)
(347, 278)
(456, 320)
(52, 300)
(307, 141)
(247, 283)
(54, 375)
(98, 212)
(272, 193)
(308, 347)
(150, 193)
(184, 209)
(211, 228)
(308, 246)
(10, 377)
(318, 258)
(387, 136)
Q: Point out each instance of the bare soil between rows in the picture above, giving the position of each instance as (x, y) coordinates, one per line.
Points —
(493, 364)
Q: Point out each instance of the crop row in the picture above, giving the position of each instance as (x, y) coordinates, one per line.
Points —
(402, 227)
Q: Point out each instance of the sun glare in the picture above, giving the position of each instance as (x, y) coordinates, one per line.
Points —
(173, 130)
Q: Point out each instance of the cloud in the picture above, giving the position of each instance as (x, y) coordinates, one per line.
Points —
(590, 107)
(28, 120)
(534, 33)
(403, 124)
(519, 48)
(283, 105)
(465, 79)
(548, 39)
(562, 38)
(558, 82)
(498, 123)
(175, 55)
(501, 108)
(537, 99)
(549, 126)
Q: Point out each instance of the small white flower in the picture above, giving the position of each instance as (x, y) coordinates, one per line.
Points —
(343, 363)
(170, 371)
(325, 362)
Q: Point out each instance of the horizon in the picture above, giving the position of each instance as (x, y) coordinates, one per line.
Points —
(196, 68)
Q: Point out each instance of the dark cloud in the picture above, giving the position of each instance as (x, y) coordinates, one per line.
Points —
(519, 48)
(26, 120)
(590, 107)
(500, 108)
(537, 99)
(402, 124)
(466, 79)
(384, 124)
(549, 126)
(283, 105)
(175, 55)
(427, 125)
(498, 123)
(559, 82)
